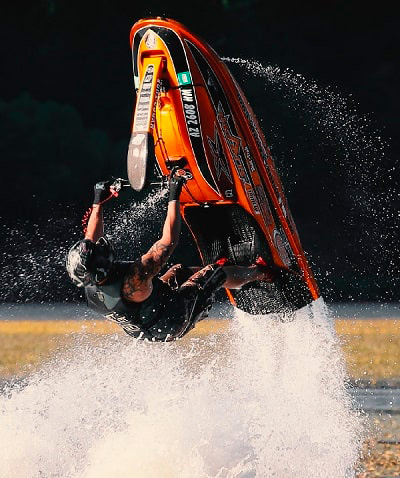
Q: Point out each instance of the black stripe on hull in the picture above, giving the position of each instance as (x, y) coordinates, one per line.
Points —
(224, 116)
(219, 98)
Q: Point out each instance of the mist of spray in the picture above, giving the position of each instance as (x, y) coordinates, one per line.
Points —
(33, 264)
(265, 398)
(330, 129)
(332, 113)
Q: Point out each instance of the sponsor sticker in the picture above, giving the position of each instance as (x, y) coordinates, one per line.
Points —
(184, 78)
(143, 108)
(145, 111)
(264, 204)
(190, 110)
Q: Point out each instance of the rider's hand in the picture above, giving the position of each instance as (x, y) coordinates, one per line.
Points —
(175, 186)
(102, 192)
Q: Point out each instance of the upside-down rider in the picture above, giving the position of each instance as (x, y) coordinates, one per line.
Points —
(132, 294)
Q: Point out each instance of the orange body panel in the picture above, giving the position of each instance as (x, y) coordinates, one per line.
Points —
(200, 113)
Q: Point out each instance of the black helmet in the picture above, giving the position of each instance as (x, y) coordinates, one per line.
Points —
(88, 262)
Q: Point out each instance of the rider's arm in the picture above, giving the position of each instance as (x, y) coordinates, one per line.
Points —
(138, 284)
(95, 226)
(161, 250)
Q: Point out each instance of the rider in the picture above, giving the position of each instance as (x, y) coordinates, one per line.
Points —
(131, 293)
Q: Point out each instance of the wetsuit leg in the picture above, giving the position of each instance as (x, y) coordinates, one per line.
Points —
(209, 278)
(189, 303)
(172, 321)
(198, 293)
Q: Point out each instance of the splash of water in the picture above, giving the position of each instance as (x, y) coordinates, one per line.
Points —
(356, 150)
(33, 262)
(265, 398)
(133, 228)
(331, 113)
(355, 144)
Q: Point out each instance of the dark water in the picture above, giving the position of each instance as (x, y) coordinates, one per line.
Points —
(51, 311)
(78, 311)
(378, 399)
(366, 310)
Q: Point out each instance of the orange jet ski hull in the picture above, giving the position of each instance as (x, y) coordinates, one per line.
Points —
(190, 111)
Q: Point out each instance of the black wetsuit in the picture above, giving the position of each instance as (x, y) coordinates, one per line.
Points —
(172, 309)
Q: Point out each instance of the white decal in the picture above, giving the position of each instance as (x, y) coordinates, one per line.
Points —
(143, 108)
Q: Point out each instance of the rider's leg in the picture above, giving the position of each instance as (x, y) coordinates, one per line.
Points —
(178, 274)
(238, 276)
(235, 276)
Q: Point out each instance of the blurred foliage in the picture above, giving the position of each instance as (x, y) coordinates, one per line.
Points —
(50, 154)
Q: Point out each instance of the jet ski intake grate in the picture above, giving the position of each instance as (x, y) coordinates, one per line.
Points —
(230, 231)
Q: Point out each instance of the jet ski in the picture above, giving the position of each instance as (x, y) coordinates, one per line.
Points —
(191, 113)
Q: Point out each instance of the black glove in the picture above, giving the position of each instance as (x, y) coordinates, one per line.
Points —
(175, 186)
(102, 192)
